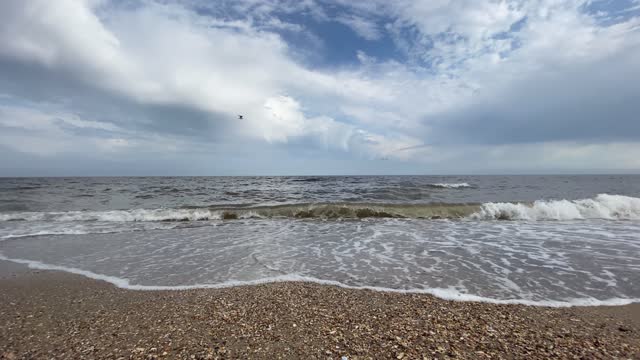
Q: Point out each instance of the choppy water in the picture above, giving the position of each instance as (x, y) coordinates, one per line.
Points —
(548, 240)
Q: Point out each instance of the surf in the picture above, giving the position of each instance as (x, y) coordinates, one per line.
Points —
(602, 206)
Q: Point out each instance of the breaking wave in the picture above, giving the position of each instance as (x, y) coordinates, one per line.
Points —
(298, 211)
(116, 215)
(603, 206)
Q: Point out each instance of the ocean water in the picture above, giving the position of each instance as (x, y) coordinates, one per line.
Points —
(540, 240)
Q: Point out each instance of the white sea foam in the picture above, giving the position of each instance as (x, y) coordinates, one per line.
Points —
(21, 229)
(603, 206)
(443, 293)
(52, 232)
(72, 232)
(451, 185)
(117, 215)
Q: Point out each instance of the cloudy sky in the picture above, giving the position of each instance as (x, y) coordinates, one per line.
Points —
(154, 87)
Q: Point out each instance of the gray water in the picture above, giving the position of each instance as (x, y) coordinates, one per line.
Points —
(546, 240)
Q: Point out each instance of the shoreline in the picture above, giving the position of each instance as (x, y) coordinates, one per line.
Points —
(442, 294)
(45, 314)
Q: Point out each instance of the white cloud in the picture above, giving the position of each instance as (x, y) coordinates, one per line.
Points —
(365, 28)
(282, 119)
(285, 119)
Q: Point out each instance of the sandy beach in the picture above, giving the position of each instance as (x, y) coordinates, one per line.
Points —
(48, 314)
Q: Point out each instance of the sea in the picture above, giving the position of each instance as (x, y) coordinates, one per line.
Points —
(536, 240)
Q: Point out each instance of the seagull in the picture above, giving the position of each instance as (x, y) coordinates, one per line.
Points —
(240, 117)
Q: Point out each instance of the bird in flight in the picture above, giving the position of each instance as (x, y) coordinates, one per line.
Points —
(240, 117)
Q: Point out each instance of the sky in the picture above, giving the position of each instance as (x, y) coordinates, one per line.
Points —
(155, 87)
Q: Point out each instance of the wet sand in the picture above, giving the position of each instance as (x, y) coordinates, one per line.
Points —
(48, 314)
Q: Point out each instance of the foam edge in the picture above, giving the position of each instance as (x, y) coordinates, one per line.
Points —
(441, 293)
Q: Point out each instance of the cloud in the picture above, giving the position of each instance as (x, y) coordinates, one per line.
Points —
(462, 77)
(367, 29)
(552, 88)
(564, 105)
(168, 55)
(49, 132)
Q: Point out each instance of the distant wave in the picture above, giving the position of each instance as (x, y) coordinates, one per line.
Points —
(450, 185)
(603, 206)
(309, 179)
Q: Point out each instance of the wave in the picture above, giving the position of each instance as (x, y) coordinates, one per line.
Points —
(310, 179)
(442, 293)
(450, 185)
(603, 206)
(298, 211)
(117, 215)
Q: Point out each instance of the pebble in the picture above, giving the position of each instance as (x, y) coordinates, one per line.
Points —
(82, 318)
